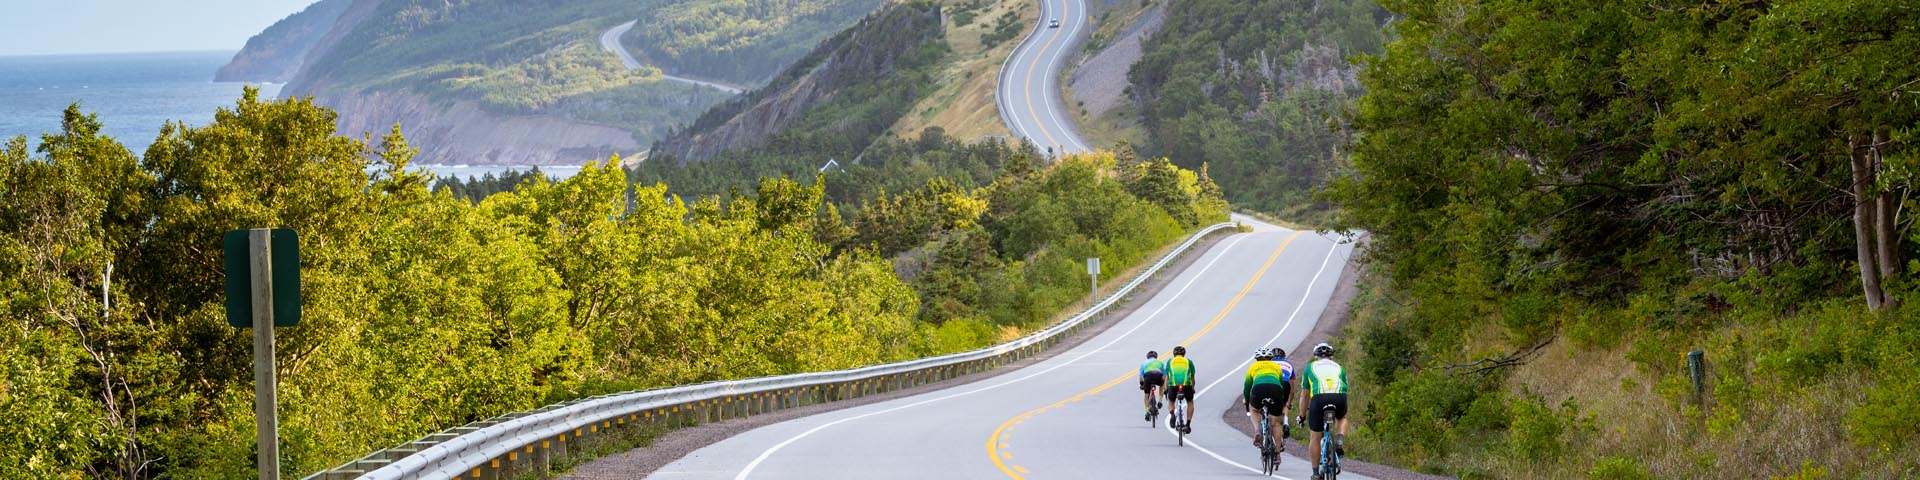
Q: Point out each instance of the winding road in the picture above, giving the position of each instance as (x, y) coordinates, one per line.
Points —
(610, 40)
(1076, 414)
(1029, 90)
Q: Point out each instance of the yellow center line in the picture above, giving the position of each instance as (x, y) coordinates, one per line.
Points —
(993, 442)
(1028, 85)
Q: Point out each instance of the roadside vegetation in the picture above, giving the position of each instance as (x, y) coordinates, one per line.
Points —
(425, 310)
(1567, 198)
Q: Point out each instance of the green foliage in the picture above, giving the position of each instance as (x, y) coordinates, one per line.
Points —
(475, 189)
(742, 41)
(1255, 90)
(1005, 28)
(424, 307)
(1619, 468)
(1646, 181)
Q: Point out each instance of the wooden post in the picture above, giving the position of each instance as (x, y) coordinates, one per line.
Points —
(266, 418)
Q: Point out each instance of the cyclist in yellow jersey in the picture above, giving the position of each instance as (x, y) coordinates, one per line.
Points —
(1323, 383)
(1265, 390)
(1180, 380)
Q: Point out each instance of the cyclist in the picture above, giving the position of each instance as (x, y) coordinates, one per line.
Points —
(1265, 390)
(1180, 384)
(1153, 375)
(1324, 383)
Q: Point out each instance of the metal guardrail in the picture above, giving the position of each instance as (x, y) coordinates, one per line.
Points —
(524, 442)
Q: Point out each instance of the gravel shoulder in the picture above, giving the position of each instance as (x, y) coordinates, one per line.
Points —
(1101, 82)
(641, 462)
(1331, 321)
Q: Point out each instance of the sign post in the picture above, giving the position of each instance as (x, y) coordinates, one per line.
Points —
(265, 404)
(1093, 272)
(263, 291)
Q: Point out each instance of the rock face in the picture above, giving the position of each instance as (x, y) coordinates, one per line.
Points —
(275, 54)
(869, 50)
(460, 132)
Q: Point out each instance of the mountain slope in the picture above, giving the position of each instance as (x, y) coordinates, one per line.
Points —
(275, 54)
(490, 81)
(837, 99)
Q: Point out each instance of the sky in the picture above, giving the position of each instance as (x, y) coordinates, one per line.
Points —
(42, 27)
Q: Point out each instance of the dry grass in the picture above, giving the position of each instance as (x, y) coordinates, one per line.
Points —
(963, 104)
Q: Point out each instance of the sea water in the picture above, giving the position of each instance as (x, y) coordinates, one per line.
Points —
(135, 93)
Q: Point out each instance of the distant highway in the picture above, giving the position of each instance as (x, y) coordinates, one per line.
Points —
(611, 41)
(1029, 90)
(1077, 414)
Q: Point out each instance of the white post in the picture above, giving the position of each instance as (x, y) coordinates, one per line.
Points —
(264, 401)
(1093, 274)
(106, 301)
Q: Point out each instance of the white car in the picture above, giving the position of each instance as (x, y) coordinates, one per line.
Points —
(1055, 23)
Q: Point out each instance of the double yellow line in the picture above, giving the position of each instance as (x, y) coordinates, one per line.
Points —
(993, 442)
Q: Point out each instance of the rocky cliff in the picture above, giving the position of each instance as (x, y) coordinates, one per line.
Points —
(276, 53)
(869, 52)
(461, 132)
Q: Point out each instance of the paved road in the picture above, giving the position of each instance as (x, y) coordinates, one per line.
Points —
(1077, 414)
(1029, 90)
(610, 40)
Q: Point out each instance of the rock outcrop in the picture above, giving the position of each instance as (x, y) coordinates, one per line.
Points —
(460, 132)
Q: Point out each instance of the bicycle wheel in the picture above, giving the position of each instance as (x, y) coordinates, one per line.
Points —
(1330, 465)
(1180, 418)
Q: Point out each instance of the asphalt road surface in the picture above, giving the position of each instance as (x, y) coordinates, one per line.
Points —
(610, 40)
(1077, 414)
(1029, 90)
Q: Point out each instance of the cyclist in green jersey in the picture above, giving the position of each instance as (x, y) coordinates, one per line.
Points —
(1180, 380)
(1265, 391)
(1323, 384)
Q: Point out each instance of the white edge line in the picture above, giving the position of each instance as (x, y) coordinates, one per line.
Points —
(1276, 336)
(748, 470)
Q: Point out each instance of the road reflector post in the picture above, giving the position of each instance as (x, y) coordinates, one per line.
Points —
(1697, 369)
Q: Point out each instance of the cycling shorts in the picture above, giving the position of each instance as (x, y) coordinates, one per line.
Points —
(1267, 397)
(1179, 391)
(1319, 403)
(1152, 379)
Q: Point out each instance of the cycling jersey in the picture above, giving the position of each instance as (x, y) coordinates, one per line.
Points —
(1323, 376)
(1286, 370)
(1262, 373)
(1153, 365)
(1179, 371)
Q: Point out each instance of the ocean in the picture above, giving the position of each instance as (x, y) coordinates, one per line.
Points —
(135, 93)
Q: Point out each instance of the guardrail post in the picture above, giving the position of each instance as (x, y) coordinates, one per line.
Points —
(543, 458)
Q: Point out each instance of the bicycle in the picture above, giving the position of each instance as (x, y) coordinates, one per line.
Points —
(1269, 455)
(1153, 410)
(1329, 459)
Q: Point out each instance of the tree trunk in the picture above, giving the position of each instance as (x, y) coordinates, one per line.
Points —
(1885, 220)
(1864, 226)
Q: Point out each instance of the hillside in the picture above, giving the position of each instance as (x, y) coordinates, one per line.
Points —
(491, 81)
(835, 101)
(1569, 199)
(274, 55)
(742, 42)
(1254, 89)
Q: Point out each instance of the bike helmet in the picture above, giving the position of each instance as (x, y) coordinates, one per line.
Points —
(1180, 350)
(1153, 354)
(1262, 354)
(1323, 350)
(1278, 352)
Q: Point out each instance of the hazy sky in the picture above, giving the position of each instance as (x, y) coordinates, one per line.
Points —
(31, 27)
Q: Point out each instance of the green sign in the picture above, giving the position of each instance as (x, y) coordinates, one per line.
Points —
(286, 277)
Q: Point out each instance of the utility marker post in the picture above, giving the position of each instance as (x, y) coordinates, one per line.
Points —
(263, 291)
(265, 404)
(1093, 274)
